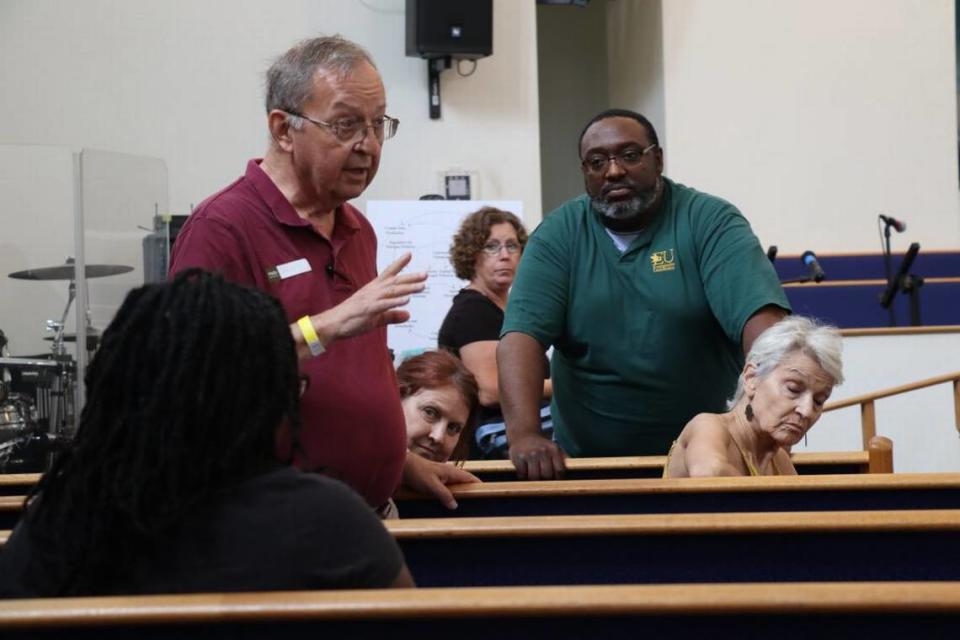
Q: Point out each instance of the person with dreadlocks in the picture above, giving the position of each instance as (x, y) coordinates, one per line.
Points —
(171, 484)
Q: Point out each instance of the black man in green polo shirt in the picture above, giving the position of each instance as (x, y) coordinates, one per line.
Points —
(650, 293)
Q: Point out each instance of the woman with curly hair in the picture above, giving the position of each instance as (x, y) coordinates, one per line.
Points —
(485, 251)
(171, 484)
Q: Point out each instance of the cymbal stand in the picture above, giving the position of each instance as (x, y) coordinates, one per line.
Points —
(58, 348)
(61, 383)
(5, 377)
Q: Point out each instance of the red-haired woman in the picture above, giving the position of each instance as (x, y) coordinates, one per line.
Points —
(440, 403)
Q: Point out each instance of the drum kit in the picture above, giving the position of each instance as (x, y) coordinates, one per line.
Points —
(37, 393)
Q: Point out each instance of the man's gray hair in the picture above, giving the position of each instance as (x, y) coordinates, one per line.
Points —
(822, 343)
(290, 77)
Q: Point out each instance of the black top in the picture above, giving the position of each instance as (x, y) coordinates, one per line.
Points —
(282, 530)
(473, 317)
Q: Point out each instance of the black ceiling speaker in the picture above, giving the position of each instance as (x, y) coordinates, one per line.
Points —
(459, 29)
(440, 30)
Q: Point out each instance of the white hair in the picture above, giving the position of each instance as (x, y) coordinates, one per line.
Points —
(822, 343)
(290, 78)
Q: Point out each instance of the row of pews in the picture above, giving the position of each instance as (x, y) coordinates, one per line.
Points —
(835, 554)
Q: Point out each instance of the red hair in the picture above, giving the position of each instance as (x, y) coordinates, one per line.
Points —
(438, 369)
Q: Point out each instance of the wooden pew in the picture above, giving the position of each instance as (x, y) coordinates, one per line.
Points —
(782, 610)
(875, 460)
(707, 547)
(652, 466)
(10, 509)
(687, 495)
(13, 484)
(680, 495)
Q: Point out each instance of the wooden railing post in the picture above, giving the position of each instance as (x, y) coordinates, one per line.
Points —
(956, 403)
(868, 422)
(880, 454)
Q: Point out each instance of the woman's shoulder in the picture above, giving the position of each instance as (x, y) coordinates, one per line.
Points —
(471, 318)
(705, 425)
(471, 298)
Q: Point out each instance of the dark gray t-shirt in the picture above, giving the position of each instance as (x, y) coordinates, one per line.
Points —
(282, 530)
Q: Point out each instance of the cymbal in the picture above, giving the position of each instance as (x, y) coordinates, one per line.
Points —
(67, 271)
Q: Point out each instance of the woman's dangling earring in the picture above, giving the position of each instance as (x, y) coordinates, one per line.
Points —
(748, 412)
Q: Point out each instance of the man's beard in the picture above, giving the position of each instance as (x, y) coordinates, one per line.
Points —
(632, 208)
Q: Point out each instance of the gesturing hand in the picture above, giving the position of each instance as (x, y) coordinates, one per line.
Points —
(376, 303)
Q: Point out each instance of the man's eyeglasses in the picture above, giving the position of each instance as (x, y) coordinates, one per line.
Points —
(494, 248)
(354, 130)
(596, 163)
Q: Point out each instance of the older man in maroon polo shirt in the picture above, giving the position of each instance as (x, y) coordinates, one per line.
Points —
(286, 227)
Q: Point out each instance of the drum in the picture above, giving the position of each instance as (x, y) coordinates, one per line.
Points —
(19, 437)
(52, 382)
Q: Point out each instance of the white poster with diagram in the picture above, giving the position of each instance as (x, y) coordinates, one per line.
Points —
(425, 228)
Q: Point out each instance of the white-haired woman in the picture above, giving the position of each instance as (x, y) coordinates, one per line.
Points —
(788, 376)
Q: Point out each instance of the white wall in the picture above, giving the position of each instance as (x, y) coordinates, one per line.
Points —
(813, 116)
(635, 65)
(573, 88)
(182, 80)
(36, 231)
(921, 423)
(37, 203)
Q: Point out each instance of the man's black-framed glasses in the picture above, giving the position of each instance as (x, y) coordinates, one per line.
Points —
(354, 130)
(597, 163)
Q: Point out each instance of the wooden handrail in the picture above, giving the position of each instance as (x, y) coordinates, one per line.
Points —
(860, 332)
(733, 484)
(771, 599)
(626, 463)
(11, 503)
(676, 524)
(868, 416)
(871, 282)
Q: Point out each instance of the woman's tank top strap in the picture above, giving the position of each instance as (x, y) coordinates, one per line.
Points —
(746, 461)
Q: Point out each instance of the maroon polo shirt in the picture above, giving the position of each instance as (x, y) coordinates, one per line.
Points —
(353, 425)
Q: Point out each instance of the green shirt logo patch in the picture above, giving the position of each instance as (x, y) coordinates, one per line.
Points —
(663, 261)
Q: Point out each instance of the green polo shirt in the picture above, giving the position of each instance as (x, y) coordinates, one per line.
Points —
(644, 340)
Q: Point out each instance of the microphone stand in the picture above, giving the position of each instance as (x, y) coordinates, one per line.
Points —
(888, 267)
(911, 286)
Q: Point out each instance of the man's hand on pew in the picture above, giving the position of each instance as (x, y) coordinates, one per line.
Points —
(432, 478)
(537, 458)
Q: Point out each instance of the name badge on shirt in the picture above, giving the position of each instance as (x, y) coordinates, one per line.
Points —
(288, 270)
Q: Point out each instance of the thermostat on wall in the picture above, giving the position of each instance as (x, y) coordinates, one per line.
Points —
(459, 185)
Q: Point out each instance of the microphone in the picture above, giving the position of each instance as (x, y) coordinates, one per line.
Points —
(813, 266)
(772, 252)
(899, 225)
(333, 273)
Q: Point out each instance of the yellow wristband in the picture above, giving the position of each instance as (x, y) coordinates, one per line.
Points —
(310, 335)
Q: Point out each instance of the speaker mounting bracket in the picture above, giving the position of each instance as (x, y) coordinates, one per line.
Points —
(434, 67)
